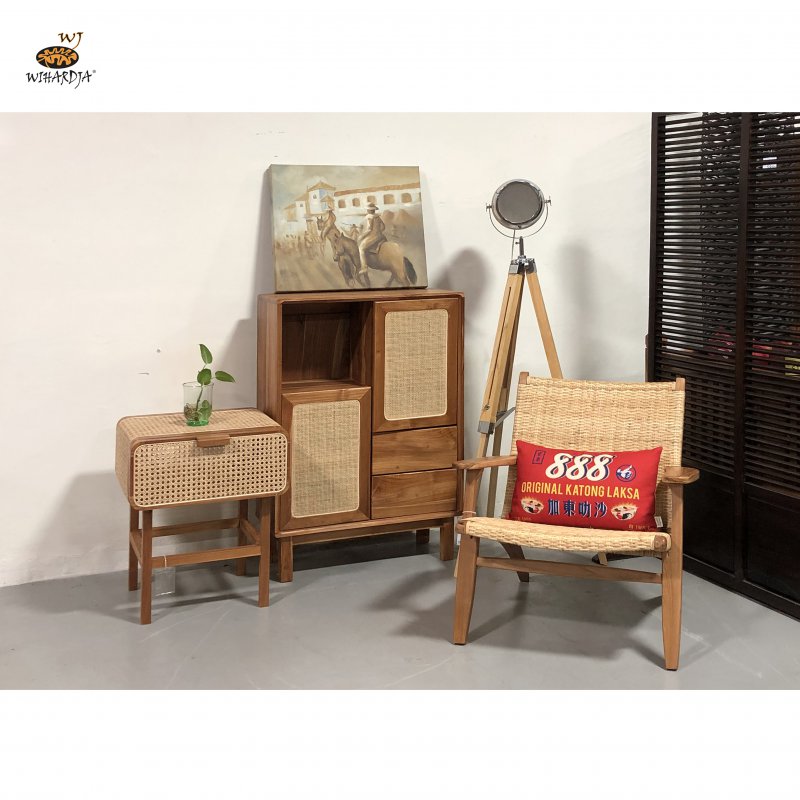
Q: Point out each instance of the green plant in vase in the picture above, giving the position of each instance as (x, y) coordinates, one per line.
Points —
(198, 395)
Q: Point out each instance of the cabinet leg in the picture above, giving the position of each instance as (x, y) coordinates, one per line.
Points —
(265, 528)
(423, 535)
(133, 561)
(286, 560)
(447, 540)
(145, 615)
(241, 563)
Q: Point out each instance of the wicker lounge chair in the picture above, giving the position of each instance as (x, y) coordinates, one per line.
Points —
(593, 416)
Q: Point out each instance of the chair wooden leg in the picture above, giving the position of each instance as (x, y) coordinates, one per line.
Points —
(465, 586)
(285, 560)
(133, 561)
(447, 540)
(672, 576)
(145, 614)
(672, 585)
(265, 527)
(423, 535)
(240, 565)
(515, 551)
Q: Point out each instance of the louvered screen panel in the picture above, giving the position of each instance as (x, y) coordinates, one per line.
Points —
(772, 325)
(695, 238)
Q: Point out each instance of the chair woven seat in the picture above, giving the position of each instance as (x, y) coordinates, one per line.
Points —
(553, 537)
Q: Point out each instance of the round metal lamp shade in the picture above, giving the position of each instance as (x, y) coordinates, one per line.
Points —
(518, 204)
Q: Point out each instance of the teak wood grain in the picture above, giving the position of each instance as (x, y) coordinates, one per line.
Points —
(408, 492)
(415, 450)
(304, 346)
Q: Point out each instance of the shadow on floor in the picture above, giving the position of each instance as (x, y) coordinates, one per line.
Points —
(548, 615)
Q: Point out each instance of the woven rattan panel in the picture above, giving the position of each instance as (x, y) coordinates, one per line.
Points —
(593, 415)
(168, 473)
(325, 457)
(554, 537)
(415, 364)
(130, 429)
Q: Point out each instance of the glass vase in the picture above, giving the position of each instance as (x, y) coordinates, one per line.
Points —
(197, 402)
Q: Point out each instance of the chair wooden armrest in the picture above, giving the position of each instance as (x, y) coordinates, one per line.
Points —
(680, 475)
(486, 462)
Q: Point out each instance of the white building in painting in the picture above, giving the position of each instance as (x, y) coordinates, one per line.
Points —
(392, 197)
(349, 205)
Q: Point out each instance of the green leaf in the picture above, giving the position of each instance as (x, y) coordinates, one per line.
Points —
(224, 376)
(205, 354)
(205, 405)
(204, 376)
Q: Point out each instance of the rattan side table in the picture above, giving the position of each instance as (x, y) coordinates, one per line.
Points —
(162, 463)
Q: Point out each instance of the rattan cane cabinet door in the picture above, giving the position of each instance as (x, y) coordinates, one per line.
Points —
(416, 362)
(329, 459)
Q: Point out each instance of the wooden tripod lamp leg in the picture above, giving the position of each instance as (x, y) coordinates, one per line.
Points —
(544, 325)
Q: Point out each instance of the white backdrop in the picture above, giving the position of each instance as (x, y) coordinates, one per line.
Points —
(127, 239)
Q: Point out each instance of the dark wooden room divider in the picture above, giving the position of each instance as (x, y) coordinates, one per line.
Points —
(725, 313)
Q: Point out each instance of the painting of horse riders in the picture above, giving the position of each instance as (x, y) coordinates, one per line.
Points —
(339, 227)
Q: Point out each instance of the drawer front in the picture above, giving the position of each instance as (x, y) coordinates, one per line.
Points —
(177, 473)
(409, 451)
(432, 492)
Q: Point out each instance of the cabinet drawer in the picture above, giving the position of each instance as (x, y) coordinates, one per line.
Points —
(408, 451)
(408, 493)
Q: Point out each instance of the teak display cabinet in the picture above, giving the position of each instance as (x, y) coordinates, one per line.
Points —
(369, 387)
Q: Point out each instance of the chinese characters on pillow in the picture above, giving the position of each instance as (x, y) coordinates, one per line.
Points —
(611, 490)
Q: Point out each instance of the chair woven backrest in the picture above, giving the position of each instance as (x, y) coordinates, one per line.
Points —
(599, 416)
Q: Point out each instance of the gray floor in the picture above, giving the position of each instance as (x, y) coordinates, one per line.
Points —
(378, 614)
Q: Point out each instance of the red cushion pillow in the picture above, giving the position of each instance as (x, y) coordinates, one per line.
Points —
(615, 491)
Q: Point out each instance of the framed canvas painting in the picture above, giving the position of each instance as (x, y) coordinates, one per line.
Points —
(337, 227)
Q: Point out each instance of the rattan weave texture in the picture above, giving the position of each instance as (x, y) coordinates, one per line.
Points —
(600, 416)
(554, 537)
(415, 383)
(179, 472)
(326, 440)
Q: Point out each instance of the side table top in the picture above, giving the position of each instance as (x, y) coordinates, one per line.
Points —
(174, 425)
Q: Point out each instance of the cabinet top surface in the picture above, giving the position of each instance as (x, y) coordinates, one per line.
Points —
(364, 296)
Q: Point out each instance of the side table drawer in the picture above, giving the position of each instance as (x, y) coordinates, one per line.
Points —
(162, 462)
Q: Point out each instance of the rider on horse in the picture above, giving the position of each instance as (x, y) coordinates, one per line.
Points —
(373, 237)
(328, 226)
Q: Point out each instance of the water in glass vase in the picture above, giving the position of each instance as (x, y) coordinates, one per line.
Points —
(197, 402)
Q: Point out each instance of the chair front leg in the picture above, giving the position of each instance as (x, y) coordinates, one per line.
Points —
(672, 584)
(465, 586)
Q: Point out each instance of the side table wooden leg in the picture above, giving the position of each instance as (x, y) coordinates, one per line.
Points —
(286, 560)
(133, 561)
(423, 535)
(240, 566)
(145, 616)
(447, 540)
(265, 528)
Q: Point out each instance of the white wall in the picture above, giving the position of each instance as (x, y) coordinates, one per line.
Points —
(128, 238)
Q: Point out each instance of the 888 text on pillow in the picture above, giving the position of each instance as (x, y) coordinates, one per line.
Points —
(610, 490)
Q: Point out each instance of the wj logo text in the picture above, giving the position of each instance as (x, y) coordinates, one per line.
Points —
(59, 61)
